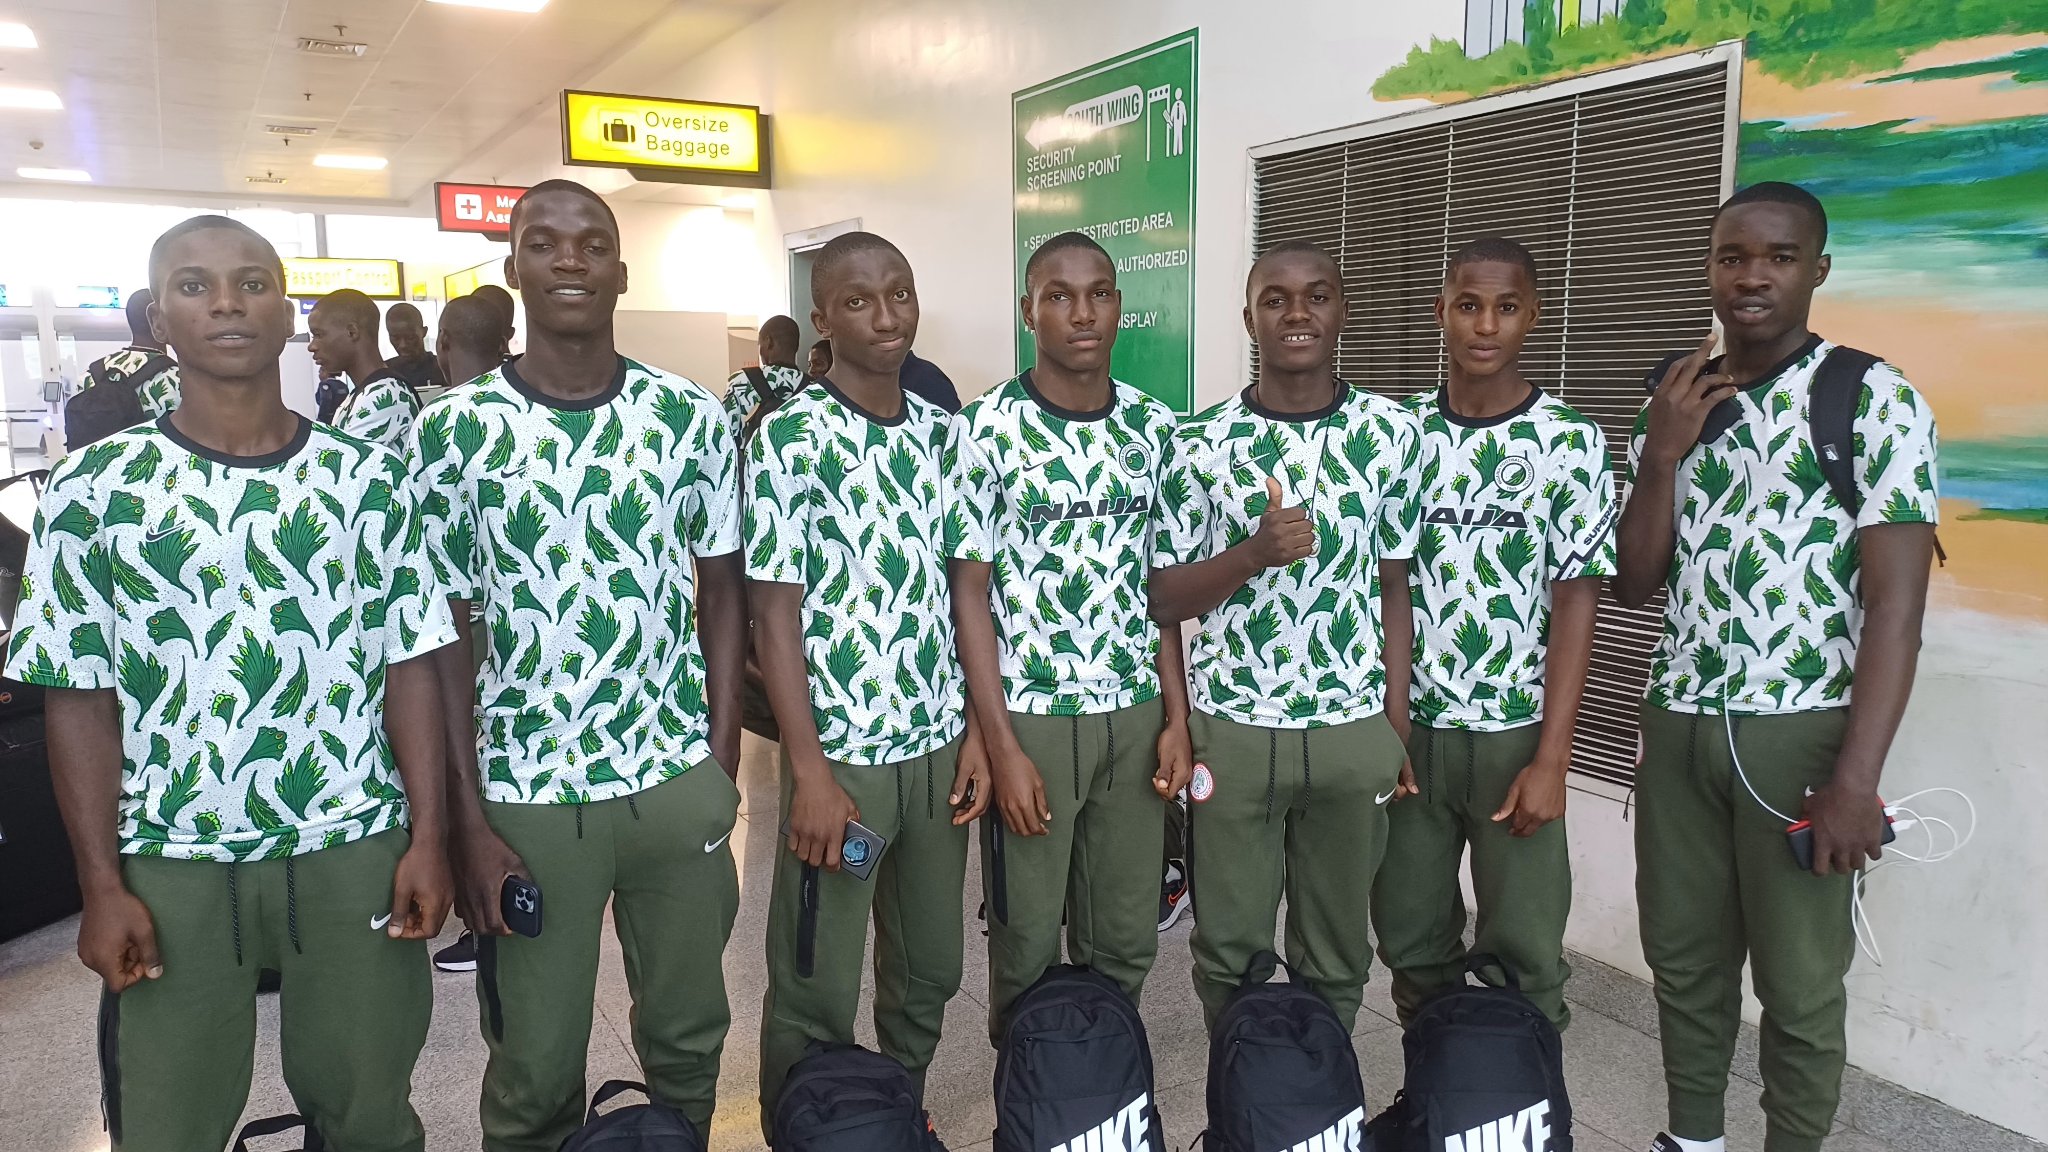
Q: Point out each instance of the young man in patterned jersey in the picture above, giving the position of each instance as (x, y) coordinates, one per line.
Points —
(1086, 698)
(142, 363)
(225, 608)
(752, 393)
(1780, 599)
(1288, 519)
(380, 407)
(590, 504)
(470, 339)
(1517, 530)
(850, 483)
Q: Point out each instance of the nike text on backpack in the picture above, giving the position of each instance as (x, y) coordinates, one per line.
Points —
(1830, 420)
(844, 1098)
(1074, 1073)
(1282, 1073)
(1485, 1072)
(649, 1127)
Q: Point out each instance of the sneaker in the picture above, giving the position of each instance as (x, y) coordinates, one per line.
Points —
(1173, 895)
(459, 956)
(1666, 1142)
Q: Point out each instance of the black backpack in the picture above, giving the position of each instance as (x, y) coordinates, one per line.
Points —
(109, 402)
(649, 1127)
(1485, 1070)
(1074, 1070)
(1282, 1072)
(844, 1098)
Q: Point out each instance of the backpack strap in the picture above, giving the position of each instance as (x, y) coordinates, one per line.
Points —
(1831, 425)
(272, 1125)
(610, 1090)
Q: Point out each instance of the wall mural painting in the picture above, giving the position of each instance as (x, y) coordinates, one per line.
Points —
(1924, 128)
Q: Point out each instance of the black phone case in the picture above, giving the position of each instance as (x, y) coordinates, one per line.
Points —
(1800, 837)
(872, 855)
(522, 920)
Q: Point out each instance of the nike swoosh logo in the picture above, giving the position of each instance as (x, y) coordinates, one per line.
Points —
(159, 534)
(712, 846)
(1386, 797)
(377, 923)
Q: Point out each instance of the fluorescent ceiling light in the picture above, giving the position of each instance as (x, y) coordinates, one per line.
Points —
(16, 36)
(500, 5)
(72, 175)
(40, 98)
(361, 163)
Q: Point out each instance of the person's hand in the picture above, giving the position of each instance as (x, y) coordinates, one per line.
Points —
(421, 892)
(482, 861)
(1679, 407)
(1848, 828)
(1176, 760)
(1404, 786)
(1534, 799)
(1284, 534)
(971, 792)
(117, 940)
(1020, 792)
(819, 810)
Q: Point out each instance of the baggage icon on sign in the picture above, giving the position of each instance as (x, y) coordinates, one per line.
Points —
(620, 132)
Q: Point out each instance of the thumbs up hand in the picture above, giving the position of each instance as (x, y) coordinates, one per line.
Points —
(1284, 534)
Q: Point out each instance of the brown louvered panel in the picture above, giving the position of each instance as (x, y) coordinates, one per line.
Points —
(1612, 190)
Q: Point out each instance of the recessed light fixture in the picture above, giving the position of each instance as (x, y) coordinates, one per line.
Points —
(16, 36)
(289, 130)
(360, 163)
(39, 98)
(499, 5)
(68, 175)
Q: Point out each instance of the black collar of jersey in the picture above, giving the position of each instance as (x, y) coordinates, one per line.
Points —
(1250, 396)
(291, 448)
(1443, 406)
(1777, 370)
(902, 412)
(594, 400)
(1031, 389)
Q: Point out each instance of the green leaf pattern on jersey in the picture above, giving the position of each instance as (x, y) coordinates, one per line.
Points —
(266, 737)
(158, 393)
(1297, 646)
(853, 510)
(741, 397)
(1064, 513)
(576, 529)
(382, 411)
(1764, 610)
(1506, 509)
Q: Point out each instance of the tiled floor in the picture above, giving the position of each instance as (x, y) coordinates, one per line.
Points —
(49, 1091)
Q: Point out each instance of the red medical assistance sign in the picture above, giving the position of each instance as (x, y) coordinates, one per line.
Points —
(485, 208)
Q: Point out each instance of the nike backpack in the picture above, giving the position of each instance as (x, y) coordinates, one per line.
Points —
(1074, 1070)
(844, 1098)
(649, 1127)
(1282, 1072)
(1485, 1070)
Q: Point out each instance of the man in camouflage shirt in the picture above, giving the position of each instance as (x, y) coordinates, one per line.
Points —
(1780, 599)
(1517, 530)
(226, 609)
(1288, 519)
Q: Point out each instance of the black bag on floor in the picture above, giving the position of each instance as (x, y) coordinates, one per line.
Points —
(1074, 1072)
(844, 1098)
(1282, 1072)
(649, 1127)
(272, 1125)
(1485, 1071)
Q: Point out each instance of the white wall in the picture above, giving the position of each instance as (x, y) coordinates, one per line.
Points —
(898, 112)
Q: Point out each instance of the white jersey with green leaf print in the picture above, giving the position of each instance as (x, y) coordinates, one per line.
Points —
(1765, 607)
(1510, 504)
(852, 507)
(243, 610)
(381, 410)
(741, 397)
(1061, 503)
(575, 526)
(1298, 646)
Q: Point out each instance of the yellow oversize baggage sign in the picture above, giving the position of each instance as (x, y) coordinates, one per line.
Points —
(681, 141)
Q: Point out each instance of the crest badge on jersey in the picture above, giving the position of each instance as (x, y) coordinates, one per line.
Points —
(1135, 459)
(1201, 785)
(1514, 475)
